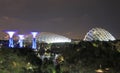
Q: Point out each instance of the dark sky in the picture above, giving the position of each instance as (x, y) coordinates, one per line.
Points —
(67, 17)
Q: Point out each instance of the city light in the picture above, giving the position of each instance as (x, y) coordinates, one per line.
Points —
(99, 34)
(34, 44)
(21, 38)
(11, 33)
(34, 34)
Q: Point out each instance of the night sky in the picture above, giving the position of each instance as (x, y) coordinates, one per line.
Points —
(73, 18)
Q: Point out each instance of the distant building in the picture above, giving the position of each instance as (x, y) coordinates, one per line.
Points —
(48, 38)
(98, 34)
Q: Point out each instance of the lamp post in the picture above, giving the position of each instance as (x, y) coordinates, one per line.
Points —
(34, 45)
(21, 38)
(10, 33)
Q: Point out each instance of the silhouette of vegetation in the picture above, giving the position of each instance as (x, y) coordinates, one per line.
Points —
(84, 57)
(93, 55)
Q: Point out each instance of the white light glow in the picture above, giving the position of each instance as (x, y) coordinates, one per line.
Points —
(49, 38)
(34, 34)
(11, 33)
(21, 37)
(99, 34)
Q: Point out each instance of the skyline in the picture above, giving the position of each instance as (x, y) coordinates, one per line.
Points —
(65, 17)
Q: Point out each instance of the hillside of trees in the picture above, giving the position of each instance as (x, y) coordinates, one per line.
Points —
(84, 57)
(87, 57)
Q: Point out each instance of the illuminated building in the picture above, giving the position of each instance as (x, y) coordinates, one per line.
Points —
(49, 38)
(10, 33)
(98, 34)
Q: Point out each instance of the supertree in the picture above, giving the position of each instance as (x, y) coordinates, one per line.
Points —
(11, 33)
(34, 44)
(21, 38)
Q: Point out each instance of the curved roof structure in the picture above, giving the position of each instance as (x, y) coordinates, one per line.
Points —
(98, 34)
(48, 38)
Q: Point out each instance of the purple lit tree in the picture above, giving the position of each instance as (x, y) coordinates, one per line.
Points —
(10, 33)
(21, 38)
(34, 45)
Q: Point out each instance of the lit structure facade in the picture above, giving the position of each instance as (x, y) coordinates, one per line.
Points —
(49, 38)
(21, 38)
(34, 44)
(10, 33)
(98, 34)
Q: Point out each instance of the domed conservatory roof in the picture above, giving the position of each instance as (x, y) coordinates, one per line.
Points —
(48, 38)
(98, 34)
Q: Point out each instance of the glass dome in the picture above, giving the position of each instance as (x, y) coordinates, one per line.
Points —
(48, 38)
(98, 34)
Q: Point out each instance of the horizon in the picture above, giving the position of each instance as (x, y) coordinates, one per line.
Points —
(67, 35)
